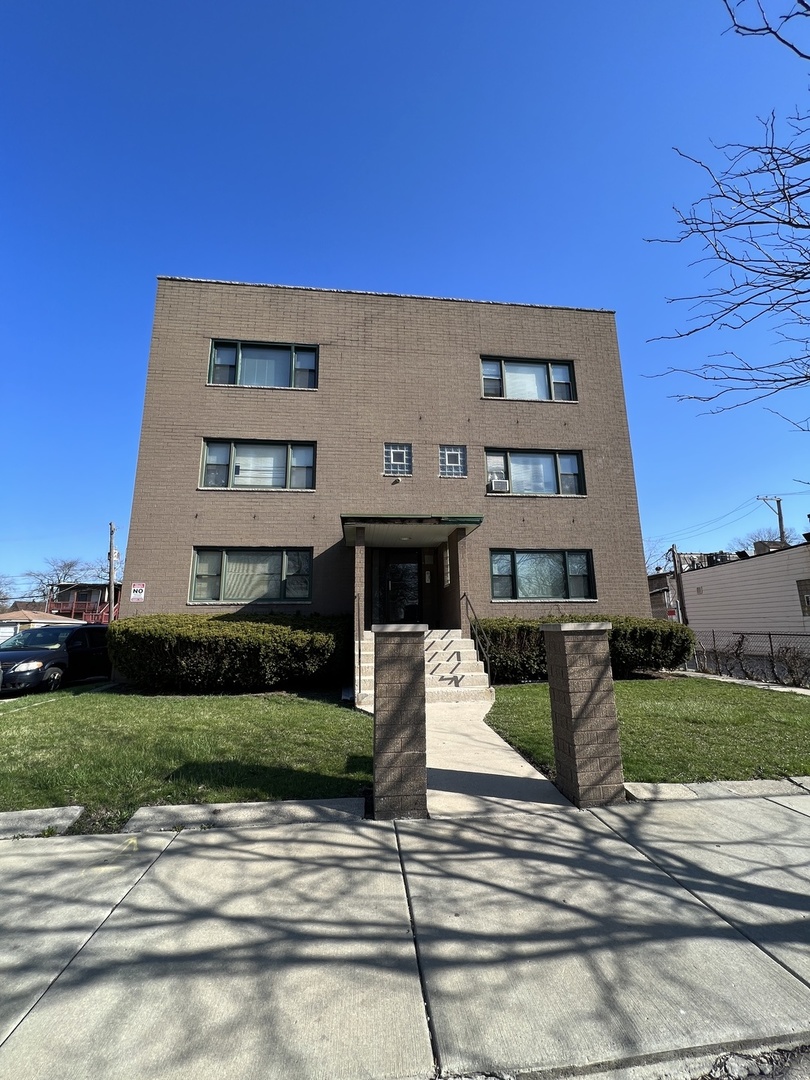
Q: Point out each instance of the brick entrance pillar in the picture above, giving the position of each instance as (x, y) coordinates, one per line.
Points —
(400, 751)
(583, 713)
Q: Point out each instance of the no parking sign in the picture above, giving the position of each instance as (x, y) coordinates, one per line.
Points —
(137, 592)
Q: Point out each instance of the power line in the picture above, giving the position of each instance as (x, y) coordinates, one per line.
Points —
(695, 530)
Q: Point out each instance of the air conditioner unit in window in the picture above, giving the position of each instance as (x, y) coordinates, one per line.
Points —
(498, 486)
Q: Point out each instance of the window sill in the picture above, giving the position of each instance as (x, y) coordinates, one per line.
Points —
(239, 386)
(529, 495)
(261, 490)
(543, 600)
(532, 400)
(245, 603)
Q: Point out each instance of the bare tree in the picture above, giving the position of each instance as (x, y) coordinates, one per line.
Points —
(99, 569)
(55, 572)
(768, 534)
(754, 229)
(7, 591)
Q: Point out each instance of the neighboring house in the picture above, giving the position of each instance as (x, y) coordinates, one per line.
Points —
(393, 457)
(11, 622)
(663, 584)
(88, 601)
(766, 593)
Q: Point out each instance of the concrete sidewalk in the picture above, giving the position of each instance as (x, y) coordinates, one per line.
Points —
(516, 935)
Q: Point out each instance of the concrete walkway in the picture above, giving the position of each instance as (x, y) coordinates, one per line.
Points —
(509, 934)
(471, 770)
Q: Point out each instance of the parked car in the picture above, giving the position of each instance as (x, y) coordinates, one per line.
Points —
(47, 656)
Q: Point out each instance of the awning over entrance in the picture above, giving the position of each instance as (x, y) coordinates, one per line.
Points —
(405, 531)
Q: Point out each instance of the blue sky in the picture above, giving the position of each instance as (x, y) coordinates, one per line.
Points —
(519, 151)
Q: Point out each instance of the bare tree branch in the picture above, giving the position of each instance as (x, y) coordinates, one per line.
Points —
(784, 27)
(753, 228)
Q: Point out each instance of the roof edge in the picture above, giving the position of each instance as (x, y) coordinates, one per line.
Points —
(391, 295)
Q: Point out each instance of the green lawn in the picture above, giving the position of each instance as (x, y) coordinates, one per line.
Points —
(677, 730)
(113, 752)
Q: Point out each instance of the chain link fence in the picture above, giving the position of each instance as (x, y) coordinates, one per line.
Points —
(774, 658)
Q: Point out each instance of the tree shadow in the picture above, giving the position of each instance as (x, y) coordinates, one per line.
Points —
(274, 782)
(541, 940)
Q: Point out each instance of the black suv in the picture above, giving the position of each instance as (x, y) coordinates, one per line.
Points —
(46, 656)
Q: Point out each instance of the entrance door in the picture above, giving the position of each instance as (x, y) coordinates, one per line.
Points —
(399, 583)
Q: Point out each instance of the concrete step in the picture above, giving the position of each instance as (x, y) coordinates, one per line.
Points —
(466, 679)
(459, 693)
(433, 694)
(453, 671)
(431, 635)
(450, 645)
(451, 667)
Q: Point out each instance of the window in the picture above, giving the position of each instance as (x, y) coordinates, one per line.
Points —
(542, 575)
(243, 363)
(535, 472)
(527, 380)
(258, 465)
(398, 459)
(239, 575)
(452, 461)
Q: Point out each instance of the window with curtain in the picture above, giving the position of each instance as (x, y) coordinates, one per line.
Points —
(535, 472)
(527, 380)
(241, 575)
(258, 465)
(245, 363)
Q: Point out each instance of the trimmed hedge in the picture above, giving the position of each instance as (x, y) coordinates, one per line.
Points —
(198, 654)
(517, 653)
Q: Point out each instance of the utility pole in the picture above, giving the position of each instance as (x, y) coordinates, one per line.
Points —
(111, 558)
(768, 499)
(676, 565)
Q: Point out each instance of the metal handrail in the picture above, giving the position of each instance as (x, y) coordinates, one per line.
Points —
(358, 633)
(482, 642)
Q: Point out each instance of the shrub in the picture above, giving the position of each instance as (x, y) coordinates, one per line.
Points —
(197, 654)
(517, 650)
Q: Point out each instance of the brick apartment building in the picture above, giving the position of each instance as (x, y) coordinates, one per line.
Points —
(308, 450)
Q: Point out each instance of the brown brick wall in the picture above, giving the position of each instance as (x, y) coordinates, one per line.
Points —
(587, 753)
(400, 739)
(391, 368)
